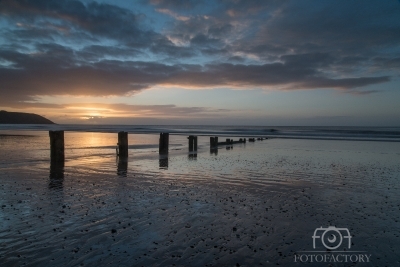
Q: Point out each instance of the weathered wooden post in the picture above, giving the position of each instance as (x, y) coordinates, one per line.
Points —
(164, 143)
(57, 155)
(123, 144)
(193, 143)
(163, 162)
(213, 142)
(122, 167)
(214, 145)
(191, 139)
(56, 175)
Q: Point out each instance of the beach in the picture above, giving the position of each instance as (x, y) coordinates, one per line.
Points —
(252, 204)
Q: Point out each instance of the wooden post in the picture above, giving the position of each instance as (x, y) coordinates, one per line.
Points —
(161, 143)
(57, 147)
(163, 163)
(56, 175)
(213, 142)
(122, 167)
(191, 139)
(164, 143)
(193, 143)
(123, 144)
(214, 145)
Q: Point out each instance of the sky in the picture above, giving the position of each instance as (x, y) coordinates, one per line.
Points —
(203, 62)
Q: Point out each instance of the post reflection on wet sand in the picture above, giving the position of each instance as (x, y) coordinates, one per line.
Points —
(192, 156)
(163, 162)
(122, 166)
(56, 175)
(214, 151)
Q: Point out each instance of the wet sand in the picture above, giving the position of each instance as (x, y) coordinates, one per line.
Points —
(250, 205)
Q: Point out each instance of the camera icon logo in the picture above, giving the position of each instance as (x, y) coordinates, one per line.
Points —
(331, 237)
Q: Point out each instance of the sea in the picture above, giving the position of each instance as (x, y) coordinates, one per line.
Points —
(391, 134)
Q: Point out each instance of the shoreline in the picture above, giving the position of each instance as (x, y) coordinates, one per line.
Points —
(380, 134)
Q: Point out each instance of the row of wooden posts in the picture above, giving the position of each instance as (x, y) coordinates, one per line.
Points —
(57, 144)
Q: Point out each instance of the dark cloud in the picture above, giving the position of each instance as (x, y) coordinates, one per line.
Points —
(95, 52)
(100, 19)
(314, 60)
(268, 30)
(71, 48)
(236, 59)
(176, 4)
(387, 62)
(345, 27)
(282, 75)
(73, 20)
(220, 30)
(166, 47)
(29, 33)
(203, 40)
(55, 71)
(364, 92)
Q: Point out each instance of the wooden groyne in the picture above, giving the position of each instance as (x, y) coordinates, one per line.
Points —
(163, 143)
(122, 167)
(214, 142)
(57, 154)
(122, 144)
(192, 143)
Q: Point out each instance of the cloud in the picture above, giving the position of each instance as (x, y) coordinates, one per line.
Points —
(97, 49)
(124, 113)
(73, 21)
(173, 14)
(55, 71)
(176, 4)
(341, 27)
(98, 19)
(92, 53)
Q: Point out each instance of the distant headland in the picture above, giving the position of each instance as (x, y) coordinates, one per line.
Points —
(22, 118)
